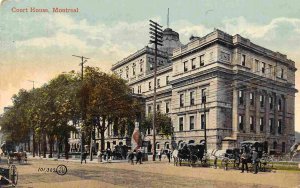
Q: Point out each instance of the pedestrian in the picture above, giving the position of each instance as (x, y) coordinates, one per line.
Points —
(255, 161)
(108, 151)
(244, 158)
(159, 154)
(139, 156)
(83, 157)
(169, 155)
(131, 157)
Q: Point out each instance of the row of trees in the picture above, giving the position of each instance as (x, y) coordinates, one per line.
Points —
(50, 113)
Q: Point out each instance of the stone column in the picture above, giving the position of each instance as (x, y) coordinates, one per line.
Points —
(257, 112)
(235, 122)
(267, 114)
(247, 112)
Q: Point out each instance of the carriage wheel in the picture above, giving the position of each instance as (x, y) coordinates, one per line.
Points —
(193, 160)
(13, 174)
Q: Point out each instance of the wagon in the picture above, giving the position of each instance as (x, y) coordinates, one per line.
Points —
(231, 158)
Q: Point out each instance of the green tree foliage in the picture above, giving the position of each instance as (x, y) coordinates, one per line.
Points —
(163, 124)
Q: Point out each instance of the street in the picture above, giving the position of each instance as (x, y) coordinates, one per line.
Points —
(149, 174)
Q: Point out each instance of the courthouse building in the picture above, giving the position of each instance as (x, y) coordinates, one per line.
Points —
(240, 90)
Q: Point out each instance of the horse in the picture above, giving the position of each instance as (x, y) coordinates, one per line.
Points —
(175, 157)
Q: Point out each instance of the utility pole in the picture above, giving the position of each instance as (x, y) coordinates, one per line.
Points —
(156, 39)
(33, 135)
(83, 60)
(205, 137)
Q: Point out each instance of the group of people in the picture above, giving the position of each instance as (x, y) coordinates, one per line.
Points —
(246, 156)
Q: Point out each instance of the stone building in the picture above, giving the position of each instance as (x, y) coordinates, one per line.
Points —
(239, 90)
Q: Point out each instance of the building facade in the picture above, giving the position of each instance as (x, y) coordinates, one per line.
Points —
(237, 89)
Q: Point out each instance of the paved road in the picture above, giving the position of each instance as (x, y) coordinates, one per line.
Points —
(149, 174)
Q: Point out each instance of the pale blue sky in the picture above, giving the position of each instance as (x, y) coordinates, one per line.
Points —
(38, 46)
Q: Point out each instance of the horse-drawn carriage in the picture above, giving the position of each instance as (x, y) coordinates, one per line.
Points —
(21, 157)
(233, 156)
(191, 153)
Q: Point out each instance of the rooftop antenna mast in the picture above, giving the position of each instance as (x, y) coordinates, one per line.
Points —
(168, 19)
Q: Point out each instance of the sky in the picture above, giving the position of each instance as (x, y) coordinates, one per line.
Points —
(39, 45)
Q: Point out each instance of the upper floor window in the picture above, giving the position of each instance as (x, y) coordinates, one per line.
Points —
(279, 126)
(261, 124)
(251, 123)
(185, 66)
(127, 72)
(271, 120)
(203, 95)
(141, 67)
(193, 63)
(257, 65)
(201, 60)
(133, 70)
(149, 110)
(167, 107)
(203, 121)
(167, 80)
(271, 102)
(181, 124)
(158, 83)
(262, 100)
(151, 66)
(243, 60)
(241, 122)
(192, 98)
(150, 86)
(139, 89)
(192, 122)
(279, 105)
(281, 73)
(158, 107)
(241, 97)
(270, 71)
(263, 68)
(181, 100)
(251, 98)
(132, 90)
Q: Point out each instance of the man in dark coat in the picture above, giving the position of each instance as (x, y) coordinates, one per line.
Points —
(255, 161)
(139, 156)
(244, 158)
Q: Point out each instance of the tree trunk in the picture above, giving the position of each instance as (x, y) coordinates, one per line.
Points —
(102, 131)
(44, 144)
(67, 148)
(51, 146)
(33, 144)
(39, 145)
(29, 144)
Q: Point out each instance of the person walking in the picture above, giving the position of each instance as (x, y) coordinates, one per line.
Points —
(159, 155)
(244, 158)
(169, 155)
(255, 161)
(83, 157)
(131, 157)
(99, 155)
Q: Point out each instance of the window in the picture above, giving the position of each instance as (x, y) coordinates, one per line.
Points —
(243, 60)
(185, 66)
(279, 105)
(261, 124)
(279, 126)
(133, 70)
(257, 65)
(241, 122)
(271, 120)
(181, 100)
(201, 60)
(192, 98)
(251, 99)
(181, 124)
(167, 80)
(203, 121)
(241, 97)
(192, 122)
(262, 101)
(132, 90)
(158, 108)
(270, 71)
(263, 68)
(150, 86)
(167, 107)
(151, 66)
(203, 95)
(193, 63)
(158, 83)
(127, 72)
(149, 110)
(271, 102)
(251, 123)
(281, 73)
(141, 67)
(139, 89)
